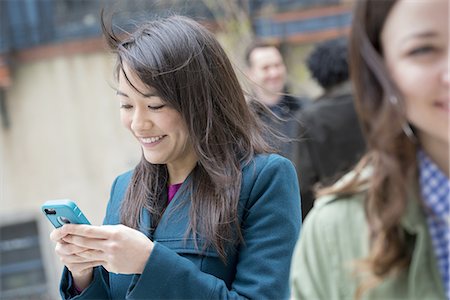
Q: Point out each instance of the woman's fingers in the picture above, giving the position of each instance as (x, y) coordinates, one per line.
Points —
(85, 242)
(81, 260)
(84, 236)
(118, 248)
(89, 231)
(57, 234)
(92, 255)
(63, 248)
(75, 246)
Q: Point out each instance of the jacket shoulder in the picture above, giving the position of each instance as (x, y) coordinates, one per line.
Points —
(263, 160)
(269, 174)
(336, 209)
(345, 204)
(263, 167)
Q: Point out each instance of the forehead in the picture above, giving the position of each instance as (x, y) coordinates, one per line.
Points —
(265, 55)
(415, 18)
(129, 81)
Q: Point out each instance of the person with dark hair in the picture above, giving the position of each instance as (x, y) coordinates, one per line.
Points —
(209, 211)
(328, 63)
(268, 77)
(383, 231)
(328, 140)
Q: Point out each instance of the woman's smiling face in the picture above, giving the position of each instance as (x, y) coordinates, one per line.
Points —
(415, 41)
(159, 128)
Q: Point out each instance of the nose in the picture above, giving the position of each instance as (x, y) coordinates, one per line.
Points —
(140, 121)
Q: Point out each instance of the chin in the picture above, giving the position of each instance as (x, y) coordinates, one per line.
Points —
(153, 160)
(277, 89)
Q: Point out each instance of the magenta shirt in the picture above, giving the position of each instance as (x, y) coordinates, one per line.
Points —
(173, 189)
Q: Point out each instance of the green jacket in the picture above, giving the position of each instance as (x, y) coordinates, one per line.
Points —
(335, 234)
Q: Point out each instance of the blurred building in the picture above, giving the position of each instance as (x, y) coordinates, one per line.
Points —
(60, 135)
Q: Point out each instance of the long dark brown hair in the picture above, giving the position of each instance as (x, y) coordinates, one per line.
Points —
(390, 154)
(188, 68)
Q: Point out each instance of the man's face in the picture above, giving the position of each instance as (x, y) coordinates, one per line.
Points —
(267, 69)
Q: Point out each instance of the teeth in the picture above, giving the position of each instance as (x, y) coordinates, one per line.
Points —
(151, 139)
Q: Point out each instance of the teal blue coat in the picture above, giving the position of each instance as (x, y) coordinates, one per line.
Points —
(257, 269)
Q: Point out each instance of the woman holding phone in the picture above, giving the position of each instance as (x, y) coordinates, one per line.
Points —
(208, 212)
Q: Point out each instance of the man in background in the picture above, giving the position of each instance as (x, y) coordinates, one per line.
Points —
(268, 75)
(329, 140)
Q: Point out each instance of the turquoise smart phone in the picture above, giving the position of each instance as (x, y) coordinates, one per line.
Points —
(63, 211)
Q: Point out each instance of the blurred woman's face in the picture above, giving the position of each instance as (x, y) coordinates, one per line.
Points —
(415, 40)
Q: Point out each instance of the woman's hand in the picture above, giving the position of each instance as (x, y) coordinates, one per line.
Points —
(81, 269)
(118, 248)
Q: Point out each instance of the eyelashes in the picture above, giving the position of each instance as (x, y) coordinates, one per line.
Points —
(129, 106)
(158, 107)
(421, 50)
(125, 106)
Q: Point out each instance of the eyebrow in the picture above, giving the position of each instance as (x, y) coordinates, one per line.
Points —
(149, 95)
(419, 35)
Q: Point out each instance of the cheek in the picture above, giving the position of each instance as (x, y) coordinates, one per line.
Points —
(419, 86)
(282, 70)
(181, 132)
(413, 83)
(125, 119)
(260, 74)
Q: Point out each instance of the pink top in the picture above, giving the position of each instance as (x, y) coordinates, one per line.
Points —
(173, 189)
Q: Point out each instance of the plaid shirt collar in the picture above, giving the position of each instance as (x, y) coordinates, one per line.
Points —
(435, 188)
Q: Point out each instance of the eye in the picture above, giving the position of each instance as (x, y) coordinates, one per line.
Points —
(156, 107)
(126, 106)
(421, 50)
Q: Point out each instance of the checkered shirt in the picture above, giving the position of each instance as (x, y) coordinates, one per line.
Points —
(435, 189)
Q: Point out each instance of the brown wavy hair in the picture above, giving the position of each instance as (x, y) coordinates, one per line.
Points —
(191, 73)
(390, 153)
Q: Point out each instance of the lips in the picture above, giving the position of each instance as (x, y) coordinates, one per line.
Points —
(151, 139)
